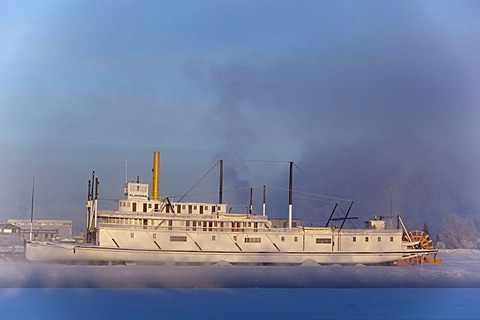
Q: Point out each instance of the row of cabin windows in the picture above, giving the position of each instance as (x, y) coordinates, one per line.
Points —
(201, 209)
(367, 239)
(206, 225)
(246, 240)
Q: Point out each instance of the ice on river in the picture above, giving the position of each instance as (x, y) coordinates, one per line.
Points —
(53, 291)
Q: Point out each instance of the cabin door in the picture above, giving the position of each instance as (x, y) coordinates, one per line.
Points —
(201, 209)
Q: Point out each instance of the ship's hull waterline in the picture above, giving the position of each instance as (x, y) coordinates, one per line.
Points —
(68, 253)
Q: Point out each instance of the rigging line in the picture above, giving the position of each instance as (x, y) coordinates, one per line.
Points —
(312, 194)
(258, 160)
(304, 176)
(196, 183)
(314, 199)
(215, 192)
(316, 186)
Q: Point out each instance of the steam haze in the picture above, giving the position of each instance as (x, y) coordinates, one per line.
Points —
(374, 101)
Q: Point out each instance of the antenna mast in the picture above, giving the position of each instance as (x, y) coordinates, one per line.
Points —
(31, 210)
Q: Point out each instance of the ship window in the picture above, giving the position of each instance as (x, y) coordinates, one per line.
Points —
(379, 239)
(213, 238)
(366, 239)
(132, 235)
(210, 225)
(253, 240)
(189, 208)
(234, 238)
(213, 209)
(149, 206)
(138, 188)
(391, 239)
(354, 239)
(195, 208)
(170, 223)
(295, 239)
(206, 208)
(323, 240)
(155, 208)
(282, 239)
(154, 236)
(128, 204)
(194, 225)
(179, 208)
(178, 238)
(184, 207)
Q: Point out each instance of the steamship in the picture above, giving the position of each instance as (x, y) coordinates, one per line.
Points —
(147, 228)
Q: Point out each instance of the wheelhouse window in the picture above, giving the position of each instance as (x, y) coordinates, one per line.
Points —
(253, 240)
(323, 240)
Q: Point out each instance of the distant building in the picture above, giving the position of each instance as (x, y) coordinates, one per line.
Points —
(44, 230)
(11, 240)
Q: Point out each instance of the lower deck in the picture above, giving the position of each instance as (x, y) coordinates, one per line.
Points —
(270, 240)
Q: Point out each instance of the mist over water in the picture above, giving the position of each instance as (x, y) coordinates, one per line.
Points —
(460, 268)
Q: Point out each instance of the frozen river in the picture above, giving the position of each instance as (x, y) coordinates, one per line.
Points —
(444, 291)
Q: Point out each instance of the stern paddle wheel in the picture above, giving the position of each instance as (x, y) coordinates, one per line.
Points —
(419, 240)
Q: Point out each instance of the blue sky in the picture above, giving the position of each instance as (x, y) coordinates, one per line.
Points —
(365, 96)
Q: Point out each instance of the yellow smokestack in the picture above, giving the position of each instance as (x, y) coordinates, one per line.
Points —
(155, 174)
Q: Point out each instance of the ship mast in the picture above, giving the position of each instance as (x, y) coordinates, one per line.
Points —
(220, 188)
(31, 209)
(290, 196)
(92, 208)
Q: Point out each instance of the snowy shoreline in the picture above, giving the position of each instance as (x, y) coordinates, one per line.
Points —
(460, 269)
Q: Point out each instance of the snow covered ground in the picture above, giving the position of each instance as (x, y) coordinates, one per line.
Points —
(450, 290)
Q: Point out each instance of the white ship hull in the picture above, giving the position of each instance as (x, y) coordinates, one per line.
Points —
(69, 253)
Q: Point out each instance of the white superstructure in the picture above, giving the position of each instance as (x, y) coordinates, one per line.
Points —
(150, 229)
